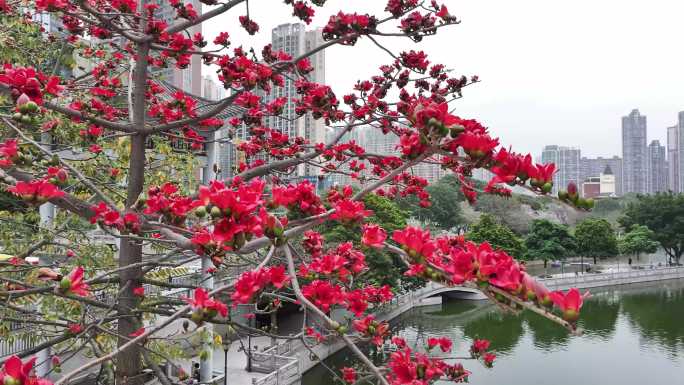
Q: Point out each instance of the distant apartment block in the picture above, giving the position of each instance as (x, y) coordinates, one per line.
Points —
(680, 151)
(673, 166)
(294, 40)
(212, 90)
(657, 168)
(567, 161)
(634, 153)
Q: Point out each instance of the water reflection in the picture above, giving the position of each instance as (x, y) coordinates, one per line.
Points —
(642, 326)
(659, 318)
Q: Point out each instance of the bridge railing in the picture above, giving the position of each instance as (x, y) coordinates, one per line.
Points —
(621, 277)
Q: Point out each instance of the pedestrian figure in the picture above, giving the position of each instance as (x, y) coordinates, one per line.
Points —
(629, 261)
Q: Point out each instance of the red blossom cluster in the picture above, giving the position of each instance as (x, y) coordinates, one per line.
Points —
(454, 261)
(408, 367)
(73, 283)
(204, 307)
(36, 192)
(339, 263)
(237, 212)
(398, 7)
(165, 200)
(240, 71)
(15, 372)
(300, 198)
(371, 328)
(313, 243)
(107, 216)
(28, 81)
(9, 153)
(179, 107)
(349, 26)
(254, 281)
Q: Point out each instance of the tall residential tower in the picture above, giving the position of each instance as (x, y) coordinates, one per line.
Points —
(567, 161)
(673, 172)
(634, 153)
(657, 168)
(294, 40)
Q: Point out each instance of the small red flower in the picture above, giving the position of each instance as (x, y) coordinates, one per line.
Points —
(444, 343)
(488, 359)
(205, 307)
(569, 303)
(139, 291)
(479, 347)
(75, 328)
(348, 211)
(349, 375)
(16, 372)
(73, 284)
(373, 235)
(36, 191)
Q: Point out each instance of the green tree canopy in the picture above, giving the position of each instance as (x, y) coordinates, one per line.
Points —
(549, 241)
(497, 234)
(663, 213)
(385, 268)
(639, 239)
(445, 211)
(596, 238)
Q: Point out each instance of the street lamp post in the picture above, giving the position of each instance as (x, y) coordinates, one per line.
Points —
(226, 342)
(249, 354)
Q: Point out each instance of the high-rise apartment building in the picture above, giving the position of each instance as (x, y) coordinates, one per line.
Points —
(657, 168)
(375, 142)
(592, 167)
(294, 40)
(673, 166)
(567, 161)
(188, 79)
(211, 90)
(680, 151)
(634, 153)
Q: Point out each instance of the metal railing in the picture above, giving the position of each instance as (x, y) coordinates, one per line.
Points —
(282, 375)
(621, 277)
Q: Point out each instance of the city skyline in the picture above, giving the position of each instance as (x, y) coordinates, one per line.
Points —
(642, 168)
(541, 94)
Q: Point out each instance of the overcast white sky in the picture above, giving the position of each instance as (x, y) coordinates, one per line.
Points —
(553, 72)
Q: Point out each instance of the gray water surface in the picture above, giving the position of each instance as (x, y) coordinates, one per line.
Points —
(634, 335)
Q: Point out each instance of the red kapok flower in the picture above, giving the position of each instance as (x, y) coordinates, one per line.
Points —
(349, 375)
(73, 284)
(488, 359)
(139, 291)
(569, 303)
(16, 372)
(75, 328)
(373, 235)
(205, 307)
(479, 347)
(36, 191)
(349, 211)
(443, 342)
(415, 241)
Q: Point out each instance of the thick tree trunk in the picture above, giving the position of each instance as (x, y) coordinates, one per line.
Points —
(129, 362)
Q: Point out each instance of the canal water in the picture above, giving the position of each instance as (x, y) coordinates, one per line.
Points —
(634, 335)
